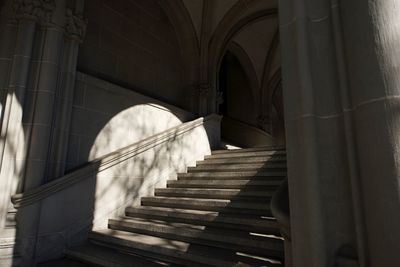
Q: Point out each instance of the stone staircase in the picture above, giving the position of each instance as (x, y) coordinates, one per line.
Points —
(216, 214)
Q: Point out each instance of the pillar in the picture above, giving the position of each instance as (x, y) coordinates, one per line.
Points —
(38, 57)
(340, 84)
(75, 31)
(319, 163)
(371, 34)
(24, 17)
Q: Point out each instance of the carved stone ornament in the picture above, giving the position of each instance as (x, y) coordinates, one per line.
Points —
(41, 10)
(203, 89)
(76, 26)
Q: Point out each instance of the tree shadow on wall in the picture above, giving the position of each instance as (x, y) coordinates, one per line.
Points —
(66, 217)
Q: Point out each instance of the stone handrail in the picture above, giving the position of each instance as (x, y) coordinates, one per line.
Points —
(244, 134)
(103, 163)
(247, 125)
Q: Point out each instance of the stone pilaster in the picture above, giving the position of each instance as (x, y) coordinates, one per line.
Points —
(74, 33)
(24, 18)
(40, 96)
(203, 91)
(40, 85)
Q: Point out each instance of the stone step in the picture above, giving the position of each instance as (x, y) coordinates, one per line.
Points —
(242, 160)
(248, 175)
(238, 167)
(253, 149)
(207, 218)
(197, 234)
(214, 193)
(219, 205)
(65, 263)
(241, 154)
(176, 251)
(106, 257)
(224, 184)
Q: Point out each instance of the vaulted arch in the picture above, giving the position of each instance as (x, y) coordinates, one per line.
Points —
(247, 66)
(266, 90)
(222, 37)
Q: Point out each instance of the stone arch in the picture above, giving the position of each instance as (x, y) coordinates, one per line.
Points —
(235, 93)
(275, 105)
(247, 66)
(265, 89)
(275, 84)
(220, 41)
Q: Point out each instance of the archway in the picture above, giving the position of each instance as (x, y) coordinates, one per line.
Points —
(247, 81)
(236, 91)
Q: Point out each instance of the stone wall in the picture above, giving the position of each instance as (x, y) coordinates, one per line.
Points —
(84, 199)
(132, 43)
(107, 117)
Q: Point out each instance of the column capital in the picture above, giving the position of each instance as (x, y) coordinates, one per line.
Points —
(75, 27)
(203, 89)
(38, 10)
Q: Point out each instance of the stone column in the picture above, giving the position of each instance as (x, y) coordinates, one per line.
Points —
(341, 81)
(372, 45)
(24, 16)
(203, 93)
(325, 223)
(39, 104)
(75, 31)
(8, 32)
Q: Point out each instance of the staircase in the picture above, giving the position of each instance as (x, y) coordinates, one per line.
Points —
(216, 214)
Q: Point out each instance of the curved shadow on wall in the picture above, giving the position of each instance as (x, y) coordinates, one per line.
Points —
(97, 198)
(65, 218)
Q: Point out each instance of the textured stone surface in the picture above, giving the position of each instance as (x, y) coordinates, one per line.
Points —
(197, 229)
(134, 44)
(106, 117)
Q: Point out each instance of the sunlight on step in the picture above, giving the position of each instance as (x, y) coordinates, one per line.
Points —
(257, 257)
(268, 236)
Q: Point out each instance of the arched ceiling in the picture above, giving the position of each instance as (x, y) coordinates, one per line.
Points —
(219, 10)
(256, 40)
(249, 26)
(195, 9)
(222, 8)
